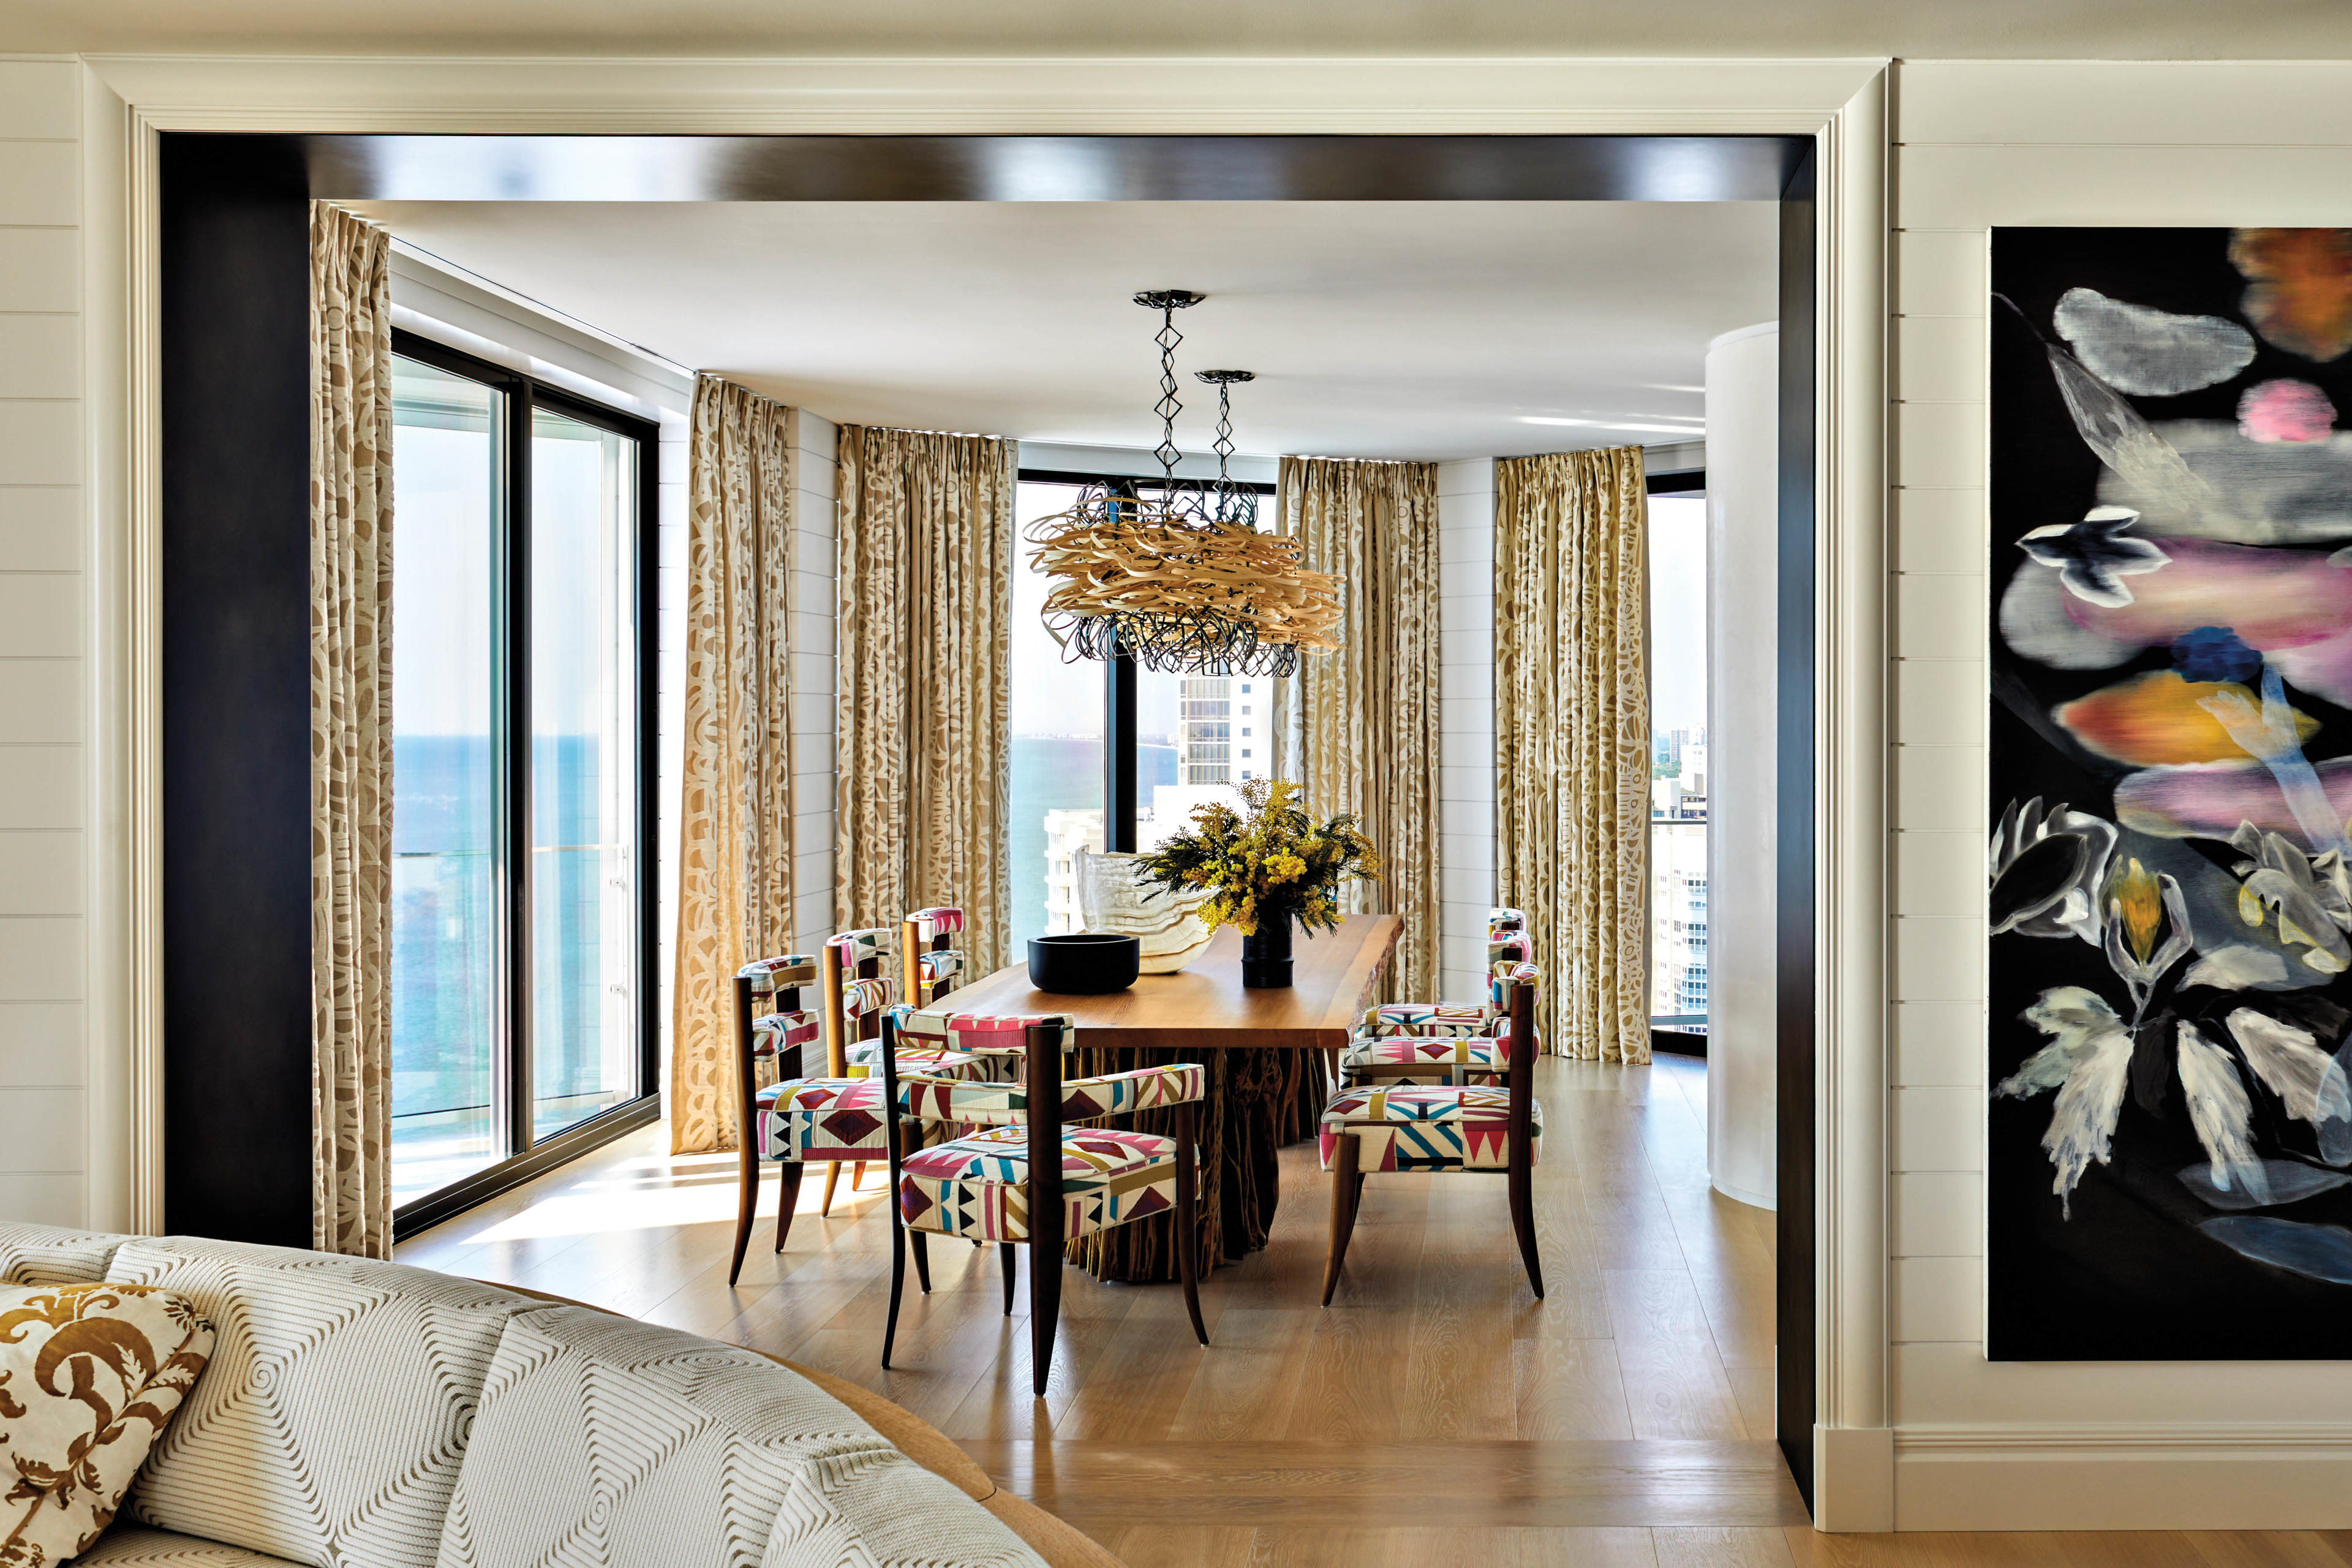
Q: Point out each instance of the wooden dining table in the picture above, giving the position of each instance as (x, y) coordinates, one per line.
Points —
(1263, 1052)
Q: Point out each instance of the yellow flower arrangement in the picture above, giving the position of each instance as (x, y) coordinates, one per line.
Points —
(1270, 859)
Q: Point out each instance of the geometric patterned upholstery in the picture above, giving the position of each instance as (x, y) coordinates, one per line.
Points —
(1426, 1128)
(981, 1034)
(772, 1031)
(934, 922)
(865, 1059)
(823, 1119)
(134, 1546)
(935, 966)
(978, 1185)
(769, 975)
(1506, 938)
(867, 997)
(1083, 1100)
(328, 1427)
(601, 1440)
(1441, 1019)
(46, 1255)
(1402, 1059)
(857, 946)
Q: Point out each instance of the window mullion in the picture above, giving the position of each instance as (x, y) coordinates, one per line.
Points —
(517, 1062)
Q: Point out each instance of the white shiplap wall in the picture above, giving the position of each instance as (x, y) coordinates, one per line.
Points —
(814, 472)
(1466, 569)
(1980, 1445)
(44, 674)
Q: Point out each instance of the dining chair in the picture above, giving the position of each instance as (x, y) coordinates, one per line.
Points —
(856, 994)
(1019, 1172)
(1443, 1129)
(833, 1118)
(772, 1036)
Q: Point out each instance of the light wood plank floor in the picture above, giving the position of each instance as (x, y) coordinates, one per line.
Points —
(1436, 1414)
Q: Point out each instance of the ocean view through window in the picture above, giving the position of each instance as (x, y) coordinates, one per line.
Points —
(519, 982)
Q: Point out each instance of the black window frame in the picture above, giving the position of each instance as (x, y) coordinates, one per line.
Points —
(1118, 674)
(531, 1155)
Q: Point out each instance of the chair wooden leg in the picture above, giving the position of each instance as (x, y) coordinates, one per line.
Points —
(857, 1176)
(1347, 1188)
(897, 1281)
(788, 1198)
(832, 1174)
(1188, 1221)
(747, 1201)
(1044, 1313)
(1523, 1221)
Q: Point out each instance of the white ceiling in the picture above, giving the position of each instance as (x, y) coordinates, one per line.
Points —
(1379, 329)
(1920, 29)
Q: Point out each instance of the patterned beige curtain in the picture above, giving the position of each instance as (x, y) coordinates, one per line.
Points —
(1572, 738)
(923, 660)
(735, 804)
(1363, 722)
(350, 734)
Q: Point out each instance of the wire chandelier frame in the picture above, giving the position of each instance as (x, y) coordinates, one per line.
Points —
(1179, 578)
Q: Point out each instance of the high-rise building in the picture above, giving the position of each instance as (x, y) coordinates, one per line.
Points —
(1678, 921)
(1205, 735)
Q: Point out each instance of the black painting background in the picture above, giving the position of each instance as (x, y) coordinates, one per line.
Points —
(2126, 1278)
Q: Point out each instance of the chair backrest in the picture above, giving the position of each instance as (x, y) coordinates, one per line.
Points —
(1522, 1003)
(1507, 938)
(776, 983)
(922, 934)
(1044, 1037)
(979, 1034)
(855, 990)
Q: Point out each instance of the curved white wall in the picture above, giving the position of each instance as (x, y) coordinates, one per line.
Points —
(1742, 573)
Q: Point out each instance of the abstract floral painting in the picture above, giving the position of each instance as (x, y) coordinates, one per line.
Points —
(2169, 1159)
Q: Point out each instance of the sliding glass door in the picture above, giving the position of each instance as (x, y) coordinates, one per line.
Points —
(523, 991)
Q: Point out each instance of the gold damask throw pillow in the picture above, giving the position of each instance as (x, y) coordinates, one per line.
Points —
(90, 1376)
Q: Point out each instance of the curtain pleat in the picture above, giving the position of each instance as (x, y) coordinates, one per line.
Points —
(1361, 726)
(1572, 738)
(351, 733)
(924, 554)
(735, 804)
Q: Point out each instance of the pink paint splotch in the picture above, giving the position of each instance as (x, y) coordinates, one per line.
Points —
(2285, 410)
(2292, 605)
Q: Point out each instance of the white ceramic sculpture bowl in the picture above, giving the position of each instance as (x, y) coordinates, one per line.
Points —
(1110, 900)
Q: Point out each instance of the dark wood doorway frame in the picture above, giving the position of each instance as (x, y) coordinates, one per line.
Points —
(233, 342)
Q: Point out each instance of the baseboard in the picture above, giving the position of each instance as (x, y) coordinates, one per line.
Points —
(1853, 1480)
(2235, 1475)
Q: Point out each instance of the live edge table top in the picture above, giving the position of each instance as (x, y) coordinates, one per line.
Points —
(1205, 1006)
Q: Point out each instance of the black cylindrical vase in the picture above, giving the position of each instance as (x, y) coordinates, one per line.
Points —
(1266, 956)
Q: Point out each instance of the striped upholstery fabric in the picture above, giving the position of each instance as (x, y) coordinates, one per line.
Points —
(980, 1033)
(330, 1424)
(978, 1185)
(1426, 1129)
(602, 1440)
(769, 975)
(1083, 1100)
(1398, 1061)
(131, 1546)
(45, 1255)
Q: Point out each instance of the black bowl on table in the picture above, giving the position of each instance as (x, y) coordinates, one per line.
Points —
(1085, 963)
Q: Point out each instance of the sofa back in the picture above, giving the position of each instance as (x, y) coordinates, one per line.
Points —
(366, 1414)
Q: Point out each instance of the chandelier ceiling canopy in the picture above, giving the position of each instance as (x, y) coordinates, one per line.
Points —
(1180, 577)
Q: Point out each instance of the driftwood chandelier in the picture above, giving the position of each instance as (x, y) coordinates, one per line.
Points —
(1179, 578)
